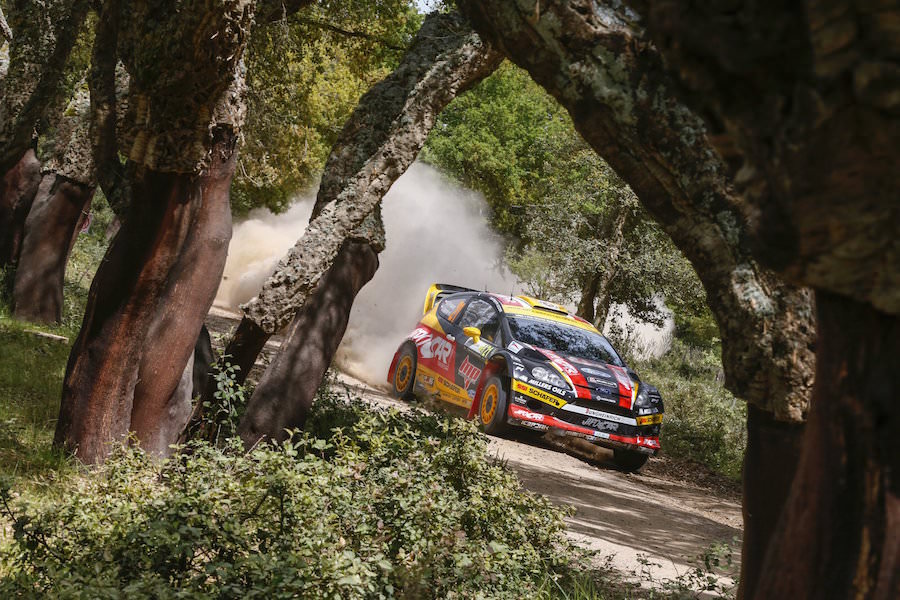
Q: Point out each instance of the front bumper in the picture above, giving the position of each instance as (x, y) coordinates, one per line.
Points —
(602, 427)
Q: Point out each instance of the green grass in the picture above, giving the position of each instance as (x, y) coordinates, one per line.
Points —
(32, 366)
(31, 373)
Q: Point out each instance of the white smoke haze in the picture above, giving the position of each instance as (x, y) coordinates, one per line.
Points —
(257, 244)
(437, 232)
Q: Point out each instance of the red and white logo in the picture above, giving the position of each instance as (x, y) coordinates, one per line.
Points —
(470, 373)
(432, 346)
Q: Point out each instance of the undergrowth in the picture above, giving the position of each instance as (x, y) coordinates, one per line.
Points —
(362, 504)
(704, 422)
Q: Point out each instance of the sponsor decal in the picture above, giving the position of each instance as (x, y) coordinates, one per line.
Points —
(600, 424)
(603, 382)
(591, 371)
(482, 348)
(614, 399)
(451, 386)
(548, 387)
(431, 346)
(470, 373)
(582, 410)
(515, 347)
(538, 394)
(427, 380)
(650, 419)
(531, 416)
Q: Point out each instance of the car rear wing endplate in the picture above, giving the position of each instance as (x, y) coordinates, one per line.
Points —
(438, 291)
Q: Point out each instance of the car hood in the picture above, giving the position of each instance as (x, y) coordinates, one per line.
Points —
(592, 379)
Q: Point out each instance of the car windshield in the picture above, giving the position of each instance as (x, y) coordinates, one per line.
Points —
(563, 339)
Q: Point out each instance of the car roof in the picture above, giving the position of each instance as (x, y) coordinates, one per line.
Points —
(540, 309)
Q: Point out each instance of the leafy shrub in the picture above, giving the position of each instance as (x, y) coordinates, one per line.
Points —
(704, 421)
(381, 505)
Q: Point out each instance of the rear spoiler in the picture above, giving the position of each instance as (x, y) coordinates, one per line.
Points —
(438, 291)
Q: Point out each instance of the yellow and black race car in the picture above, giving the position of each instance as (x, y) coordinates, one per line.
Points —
(525, 362)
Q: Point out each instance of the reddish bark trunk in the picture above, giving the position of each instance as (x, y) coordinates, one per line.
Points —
(284, 396)
(20, 185)
(770, 461)
(146, 306)
(158, 416)
(839, 535)
(50, 232)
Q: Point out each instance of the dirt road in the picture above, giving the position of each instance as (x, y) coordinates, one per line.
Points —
(652, 514)
(667, 513)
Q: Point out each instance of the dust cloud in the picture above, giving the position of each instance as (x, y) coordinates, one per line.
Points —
(257, 244)
(436, 231)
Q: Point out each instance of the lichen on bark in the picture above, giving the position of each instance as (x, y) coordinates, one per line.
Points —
(186, 78)
(43, 35)
(69, 152)
(597, 62)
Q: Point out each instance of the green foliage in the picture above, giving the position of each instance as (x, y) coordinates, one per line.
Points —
(305, 76)
(561, 204)
(704, 421)
(386, 505)
(223, 414)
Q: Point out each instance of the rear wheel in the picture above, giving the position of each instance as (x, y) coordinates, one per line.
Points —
(493, 406)
(629, 460)
(405, 374)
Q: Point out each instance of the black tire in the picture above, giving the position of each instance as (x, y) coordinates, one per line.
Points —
(492, 409)
(629, 461)
(405, 374)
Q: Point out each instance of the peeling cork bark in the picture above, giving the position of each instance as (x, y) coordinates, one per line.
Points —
(804, 101)
(156, 284)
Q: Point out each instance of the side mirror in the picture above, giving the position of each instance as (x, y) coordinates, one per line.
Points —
(473, 332)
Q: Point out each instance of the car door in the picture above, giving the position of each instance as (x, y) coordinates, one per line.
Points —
(471, 355)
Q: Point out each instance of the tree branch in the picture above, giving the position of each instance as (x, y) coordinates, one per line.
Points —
(349, 32)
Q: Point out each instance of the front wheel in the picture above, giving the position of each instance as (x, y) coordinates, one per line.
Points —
(628, 460)
(493, 406)
(405, 374)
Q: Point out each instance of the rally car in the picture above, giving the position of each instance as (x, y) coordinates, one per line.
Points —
(519, 361)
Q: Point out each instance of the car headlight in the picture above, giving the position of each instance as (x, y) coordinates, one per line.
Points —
(643, 398)
(548, 376)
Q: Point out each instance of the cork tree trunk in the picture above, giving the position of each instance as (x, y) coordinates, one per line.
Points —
(158, 279)
(52, 226)
(20, 185)
(286, 392)
(381, 139)
(805, 98)
(43, 34)
(599, 64)
(62, 203)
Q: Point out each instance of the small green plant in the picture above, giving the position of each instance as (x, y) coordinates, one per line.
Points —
(230, 399)
(709, 577)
